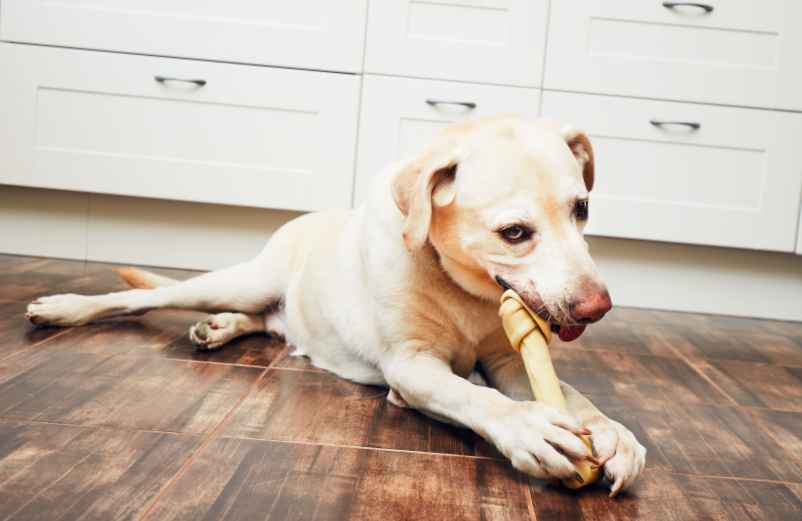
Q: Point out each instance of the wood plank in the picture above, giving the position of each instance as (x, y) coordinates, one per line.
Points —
(133, 392)
(613, 379)
(319, 407)
(718, 441)
(51, 472)
(660, 496)
(757, 384)
(234, 479)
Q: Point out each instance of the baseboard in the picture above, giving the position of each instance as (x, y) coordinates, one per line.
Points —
(203, 236)
(701, 279)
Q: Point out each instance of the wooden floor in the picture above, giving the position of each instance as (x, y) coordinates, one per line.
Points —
(126, 421)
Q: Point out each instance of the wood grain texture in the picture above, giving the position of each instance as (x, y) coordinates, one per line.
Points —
(318, 407)
(757, 384)
(57, 472)
(133, 392)
(718, 441)
(125, 420)
(659, 496)
(234, 479)
(611, 379)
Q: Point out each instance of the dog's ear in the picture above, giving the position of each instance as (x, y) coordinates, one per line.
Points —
(579, 144)
(419, 185)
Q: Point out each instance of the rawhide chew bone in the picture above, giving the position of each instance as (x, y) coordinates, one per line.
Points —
(530, 335)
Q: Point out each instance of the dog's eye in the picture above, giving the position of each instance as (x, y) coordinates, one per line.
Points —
(515, 233)
(581, 210)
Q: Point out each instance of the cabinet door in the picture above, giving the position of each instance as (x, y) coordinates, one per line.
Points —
(733, 181)
(315, 34)
(489, 41)
(233, 134)
(744, 52)
(400, 116)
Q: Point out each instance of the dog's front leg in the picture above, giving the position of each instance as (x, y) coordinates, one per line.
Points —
(538, 439)
(615, 446)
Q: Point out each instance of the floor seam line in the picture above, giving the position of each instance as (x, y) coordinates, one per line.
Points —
(362, 447)
(731, 478)
(701, 374)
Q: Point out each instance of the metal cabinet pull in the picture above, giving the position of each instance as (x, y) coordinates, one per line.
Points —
(706, 7)
(165, 79)
(467, 104)
(690, 124)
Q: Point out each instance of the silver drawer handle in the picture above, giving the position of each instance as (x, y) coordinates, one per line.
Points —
(690, 124)
(165, 79)
(707, 8)
(470, 105)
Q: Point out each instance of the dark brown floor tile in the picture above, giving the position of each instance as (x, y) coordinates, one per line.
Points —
(39, 277)
(55, 472)
(620, 337)
(748, 347)
(660, 496)
(718, 441)
(610, 378)
(16, 334)
(318, 407)
(757, 384)
(134, 392)
(234, 479)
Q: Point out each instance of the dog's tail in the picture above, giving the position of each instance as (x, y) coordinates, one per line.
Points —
(137, 278)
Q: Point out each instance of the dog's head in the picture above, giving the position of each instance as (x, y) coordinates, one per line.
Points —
(504, 201)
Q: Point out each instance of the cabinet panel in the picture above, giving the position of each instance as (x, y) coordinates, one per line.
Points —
(400, 116)
(252, 136)
(738, 53)
(488, 41)
(316, 34)
(733, 181)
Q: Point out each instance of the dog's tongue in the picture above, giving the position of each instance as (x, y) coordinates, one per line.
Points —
(568, 333)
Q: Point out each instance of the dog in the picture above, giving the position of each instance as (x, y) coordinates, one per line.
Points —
(403, 291)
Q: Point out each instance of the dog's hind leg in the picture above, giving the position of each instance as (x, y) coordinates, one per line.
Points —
(217, 330)
(249, 287)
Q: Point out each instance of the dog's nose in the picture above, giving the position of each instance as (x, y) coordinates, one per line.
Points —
(591, 307)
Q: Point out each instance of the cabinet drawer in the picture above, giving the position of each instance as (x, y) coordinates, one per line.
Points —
(489, 41)
(734, 181)
(315, 34)
(400, 116)
(739, 53)
(252, 136)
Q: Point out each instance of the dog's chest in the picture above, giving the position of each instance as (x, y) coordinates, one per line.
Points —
(458, 325)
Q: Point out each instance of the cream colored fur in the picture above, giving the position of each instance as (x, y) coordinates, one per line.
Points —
(401, 291)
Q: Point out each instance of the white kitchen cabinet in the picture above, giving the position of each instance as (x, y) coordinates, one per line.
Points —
(220, 133)
(744, 52)
(400, 116)
(733, 181)
(315, 34)
(489, 41)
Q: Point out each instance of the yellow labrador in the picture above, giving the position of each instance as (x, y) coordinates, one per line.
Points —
(404, 290)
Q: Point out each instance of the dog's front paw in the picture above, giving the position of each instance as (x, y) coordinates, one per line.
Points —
(60, 310)
(539, 440)
(619, 451)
